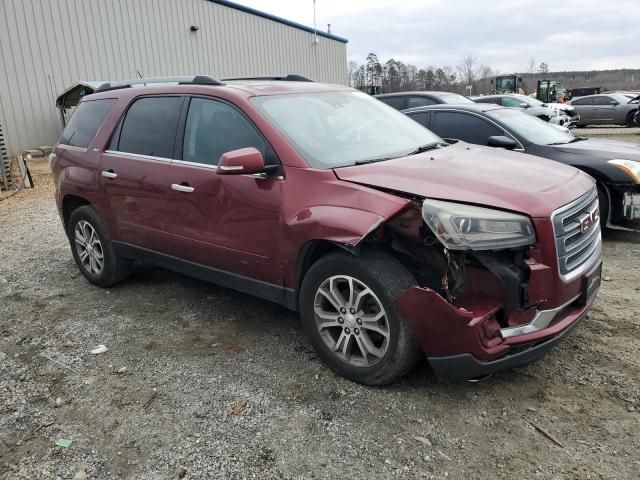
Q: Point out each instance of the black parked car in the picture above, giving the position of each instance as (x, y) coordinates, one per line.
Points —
(404, 100)
(615, 165)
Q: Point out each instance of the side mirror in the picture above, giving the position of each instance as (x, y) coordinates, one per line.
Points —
(613, 102)
(501, 141)
(524, 105)
(244, 161)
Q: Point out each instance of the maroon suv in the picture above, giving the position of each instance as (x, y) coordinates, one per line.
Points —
(390, 242)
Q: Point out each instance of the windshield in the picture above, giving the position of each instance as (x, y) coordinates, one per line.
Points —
(531, 128)
(340, 128)
(454, 98)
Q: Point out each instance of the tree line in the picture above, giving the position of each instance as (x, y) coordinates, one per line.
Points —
(473, 77)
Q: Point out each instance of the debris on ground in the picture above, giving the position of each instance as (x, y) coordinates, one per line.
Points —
(154, 394)
(81, 474)
(63, 442)
(423, 440)
(99, 349)
(547, 434)
(238, 407)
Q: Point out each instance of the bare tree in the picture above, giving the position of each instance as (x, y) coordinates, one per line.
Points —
(543, 68)
(531, 67)
(486, 74)
(468, 68)
(352, 68)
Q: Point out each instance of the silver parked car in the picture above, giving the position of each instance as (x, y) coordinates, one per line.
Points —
(556, 113)
(606, 109)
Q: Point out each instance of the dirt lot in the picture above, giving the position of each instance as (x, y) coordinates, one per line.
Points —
(182, 353)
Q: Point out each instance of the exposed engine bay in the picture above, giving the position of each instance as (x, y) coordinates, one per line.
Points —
(454, 275)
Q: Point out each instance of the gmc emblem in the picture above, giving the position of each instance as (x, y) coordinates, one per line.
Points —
(589, 220)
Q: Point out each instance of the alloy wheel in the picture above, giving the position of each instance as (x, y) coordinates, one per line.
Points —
(351, 321)
(89, 247)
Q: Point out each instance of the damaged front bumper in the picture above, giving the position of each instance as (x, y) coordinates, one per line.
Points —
(631, 206)
(466, 343)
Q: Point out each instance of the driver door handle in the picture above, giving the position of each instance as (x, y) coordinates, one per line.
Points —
(182, 188)
(109, 174)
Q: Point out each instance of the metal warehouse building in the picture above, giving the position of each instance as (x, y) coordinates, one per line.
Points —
(47, 46)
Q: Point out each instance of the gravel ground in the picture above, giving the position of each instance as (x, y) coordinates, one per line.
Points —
(167, 400)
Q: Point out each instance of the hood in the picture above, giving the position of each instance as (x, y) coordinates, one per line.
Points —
(607, 149)
(477, 175)
(561, 106)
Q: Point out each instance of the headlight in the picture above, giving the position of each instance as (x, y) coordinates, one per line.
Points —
(464, 227)
(630, 167)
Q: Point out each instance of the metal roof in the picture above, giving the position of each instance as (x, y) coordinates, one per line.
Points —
(275, 18)
(72, 95)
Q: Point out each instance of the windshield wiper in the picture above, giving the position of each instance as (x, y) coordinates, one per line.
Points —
(427, 147)
(577, 139)
(423, 148)
(373, 160)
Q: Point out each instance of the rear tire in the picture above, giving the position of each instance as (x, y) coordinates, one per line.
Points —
(93, 251)
(348, 313)
(631, 120)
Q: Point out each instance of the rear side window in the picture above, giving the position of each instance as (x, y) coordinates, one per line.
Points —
(150, 126)
(493, 100)
(582, 101)
(603, 100)
(468, 128)
(85, 122)
(420, 102)
(214, 128)
(512, 102)
(396, 102)
(420, 117)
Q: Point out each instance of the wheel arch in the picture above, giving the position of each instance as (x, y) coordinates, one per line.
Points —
(310, 253)
(70, 203)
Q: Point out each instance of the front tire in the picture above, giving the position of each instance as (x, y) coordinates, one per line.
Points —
(603, 204)
(93, 251)
(348, 313)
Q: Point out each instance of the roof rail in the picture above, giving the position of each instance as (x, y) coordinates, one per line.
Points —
(193, 80)
(282, 78)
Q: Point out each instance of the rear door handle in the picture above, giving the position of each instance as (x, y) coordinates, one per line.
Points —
(110, 174)
(182, 188)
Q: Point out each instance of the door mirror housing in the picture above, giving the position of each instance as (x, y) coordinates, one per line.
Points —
(524, 105)
(244, 161)
(502, 141)
(613, 102)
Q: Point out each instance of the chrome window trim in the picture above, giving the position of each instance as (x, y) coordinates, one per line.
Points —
(151, 158)
(138, 156)
(196, 164)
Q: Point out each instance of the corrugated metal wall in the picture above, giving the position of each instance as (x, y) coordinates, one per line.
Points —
(48, 45)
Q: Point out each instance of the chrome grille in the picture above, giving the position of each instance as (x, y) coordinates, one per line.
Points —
(577, 249)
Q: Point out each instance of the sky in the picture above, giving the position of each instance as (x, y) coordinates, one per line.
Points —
(503, 34)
